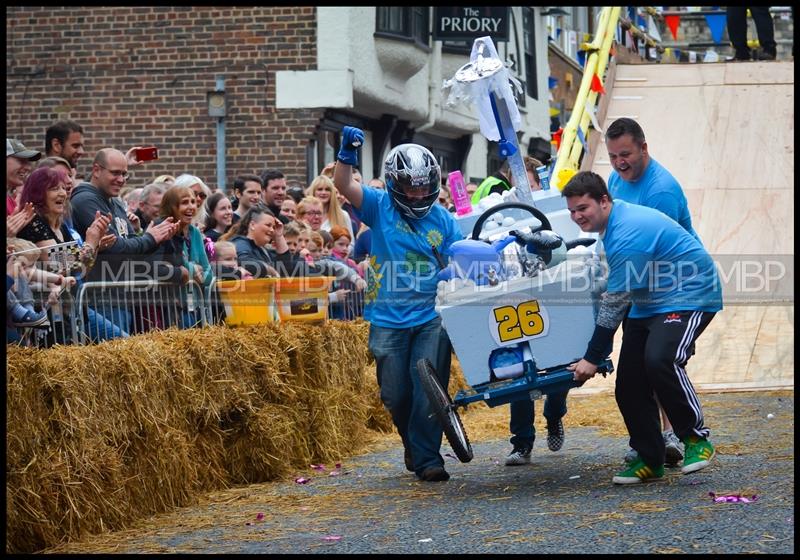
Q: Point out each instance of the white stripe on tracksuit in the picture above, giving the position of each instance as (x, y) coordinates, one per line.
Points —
(683, 378)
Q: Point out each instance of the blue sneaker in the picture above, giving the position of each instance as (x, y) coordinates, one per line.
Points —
(32, 319)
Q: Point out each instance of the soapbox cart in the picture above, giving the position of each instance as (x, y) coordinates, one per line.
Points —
(514, 333)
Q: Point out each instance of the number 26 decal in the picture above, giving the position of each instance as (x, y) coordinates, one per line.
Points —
(521, 322)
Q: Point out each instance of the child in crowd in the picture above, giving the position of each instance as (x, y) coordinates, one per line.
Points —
(291, 233)
(315, 245)
(298, 235)
(341, 248)
(225, 262)
(327, 242)
(21, 268)
(343, 304)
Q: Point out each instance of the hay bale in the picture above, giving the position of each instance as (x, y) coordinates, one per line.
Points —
(268, 446)
(100, 436)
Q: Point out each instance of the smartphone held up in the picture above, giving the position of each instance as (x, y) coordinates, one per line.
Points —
(146, 153)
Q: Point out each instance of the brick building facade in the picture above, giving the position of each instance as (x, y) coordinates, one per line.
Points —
(140, 75)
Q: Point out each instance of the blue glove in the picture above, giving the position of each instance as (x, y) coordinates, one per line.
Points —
(352, 140)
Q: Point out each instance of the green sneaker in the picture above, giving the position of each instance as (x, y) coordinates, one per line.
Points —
(697, 454)
(637, 472)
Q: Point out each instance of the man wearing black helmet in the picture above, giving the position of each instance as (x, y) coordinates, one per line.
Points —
(410, 233)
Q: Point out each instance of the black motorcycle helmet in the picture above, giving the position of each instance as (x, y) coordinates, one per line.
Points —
(413, 179)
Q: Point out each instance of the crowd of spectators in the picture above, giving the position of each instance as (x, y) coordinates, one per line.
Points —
(107, 227)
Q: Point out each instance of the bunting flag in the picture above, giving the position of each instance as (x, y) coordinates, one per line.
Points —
(597, 85)
(552, 82)
(555, 111)
(558, 32)
(692, 56)
(582, 58)
(677, 55)
(583, 141)
(672, 22)
(593, 115)
(716, 23)
(652, 29)
(556, 137)
(634, 46)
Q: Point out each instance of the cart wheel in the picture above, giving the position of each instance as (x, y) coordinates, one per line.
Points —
(443, 408)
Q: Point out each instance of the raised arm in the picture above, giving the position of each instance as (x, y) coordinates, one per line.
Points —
(352, 139)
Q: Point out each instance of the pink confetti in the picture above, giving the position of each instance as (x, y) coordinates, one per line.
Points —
(332, 538)
(302, 480)
(733, 498)
(318, 467)
(338, 465)
(334, 473)
(259, 516)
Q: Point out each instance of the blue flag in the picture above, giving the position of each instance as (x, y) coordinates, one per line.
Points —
(716, 23)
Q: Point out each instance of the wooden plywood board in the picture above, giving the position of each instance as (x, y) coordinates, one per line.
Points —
(744, 222)
(726, 132)
(744, 347)
(720, 137)
(772, 360)
(667, 75)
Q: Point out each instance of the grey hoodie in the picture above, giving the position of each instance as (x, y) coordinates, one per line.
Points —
(115, 262)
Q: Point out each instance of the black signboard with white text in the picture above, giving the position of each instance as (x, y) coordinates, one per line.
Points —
(452, 23)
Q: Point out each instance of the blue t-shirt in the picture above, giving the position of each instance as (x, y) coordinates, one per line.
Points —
(656, 188)
(401, 280)
(654, 258)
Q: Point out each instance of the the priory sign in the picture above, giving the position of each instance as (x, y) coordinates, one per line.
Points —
(452, 23)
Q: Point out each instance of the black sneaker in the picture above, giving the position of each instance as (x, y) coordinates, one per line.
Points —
(434, 474)
(518, 456)
(555, 435)
(761, 54)
(408, 459)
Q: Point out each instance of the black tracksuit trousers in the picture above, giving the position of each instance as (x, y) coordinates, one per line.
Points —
(737, 29)
(652, 363)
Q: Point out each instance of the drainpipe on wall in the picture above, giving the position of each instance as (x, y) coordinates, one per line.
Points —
(221, 141)
(434, 86)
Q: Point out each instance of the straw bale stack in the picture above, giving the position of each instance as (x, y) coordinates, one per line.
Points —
(99, 436)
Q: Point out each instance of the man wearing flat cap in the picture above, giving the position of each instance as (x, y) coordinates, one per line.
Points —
(18, 166)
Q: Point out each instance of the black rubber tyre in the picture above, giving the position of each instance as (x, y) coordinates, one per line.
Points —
(442, 406)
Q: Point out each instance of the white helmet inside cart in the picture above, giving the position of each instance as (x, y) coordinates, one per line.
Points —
(413, 179)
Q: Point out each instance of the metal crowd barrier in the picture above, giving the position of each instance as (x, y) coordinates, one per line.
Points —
(119, 309)
(351, 307)
(61, 321)
(105, 310)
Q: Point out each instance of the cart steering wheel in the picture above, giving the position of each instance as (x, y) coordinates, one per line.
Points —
(535, 212)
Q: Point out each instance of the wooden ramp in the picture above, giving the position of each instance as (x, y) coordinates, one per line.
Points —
(726, 132)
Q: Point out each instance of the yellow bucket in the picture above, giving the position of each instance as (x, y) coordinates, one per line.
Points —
(302, 299)
(248, 302)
